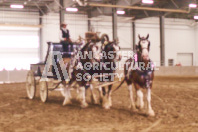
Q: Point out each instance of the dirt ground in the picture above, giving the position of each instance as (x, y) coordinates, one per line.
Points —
(174, 100)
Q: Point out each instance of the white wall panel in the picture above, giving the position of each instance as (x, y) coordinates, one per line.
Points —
(19, 45)
(125, 34)
(179, 40)
(150, 26)
(196, 45)
(124, 30)
(103, 27)
(77, 24)
(179, 37)
(11, 17)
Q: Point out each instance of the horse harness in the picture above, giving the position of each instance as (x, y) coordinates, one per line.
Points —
(145, 75)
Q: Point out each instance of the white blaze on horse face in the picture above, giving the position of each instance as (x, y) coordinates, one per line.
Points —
(144, 44)
(145, 54)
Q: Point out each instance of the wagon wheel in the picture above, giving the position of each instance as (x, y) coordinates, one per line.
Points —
(30, 85)
(104, 38)
(43, 91)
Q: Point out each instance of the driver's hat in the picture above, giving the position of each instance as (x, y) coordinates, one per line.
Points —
(63, 24)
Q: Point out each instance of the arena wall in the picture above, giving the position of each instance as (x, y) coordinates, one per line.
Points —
(180, 37)
(177, 71)
(196, 43)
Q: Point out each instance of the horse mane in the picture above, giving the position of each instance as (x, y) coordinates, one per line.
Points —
(84, 47)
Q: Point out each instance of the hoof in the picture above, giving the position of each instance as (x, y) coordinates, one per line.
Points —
(105, 103)
(94, 100)
(106, 107)
(139, 108)
(84, 105)
(151, 113)
(78, 98)
(100, 100)
(133, 108)
(110, 103)
(67, 102)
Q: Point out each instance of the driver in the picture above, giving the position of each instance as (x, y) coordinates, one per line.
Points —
(65, 38)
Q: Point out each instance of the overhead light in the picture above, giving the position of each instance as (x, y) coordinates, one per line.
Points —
(17, 6)
(147, 1)
(72, 9)
(121, 12)
(196, 17)
(193, 5)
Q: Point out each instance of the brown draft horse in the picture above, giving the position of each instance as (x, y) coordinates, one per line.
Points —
(108, 68)
(80, 76)
(141, 74)
(108, 65)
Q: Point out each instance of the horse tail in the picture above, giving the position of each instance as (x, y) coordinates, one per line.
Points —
(120, 84)
(127, 64)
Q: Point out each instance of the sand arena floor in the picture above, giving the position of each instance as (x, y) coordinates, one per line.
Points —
(174, 100)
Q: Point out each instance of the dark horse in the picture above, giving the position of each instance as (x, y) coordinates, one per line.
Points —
(81, 75)
(84, 75)
(141, 74)
(110, 55)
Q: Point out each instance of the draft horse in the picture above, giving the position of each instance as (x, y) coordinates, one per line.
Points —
(110, 55)
(80, 76)
(141, 74)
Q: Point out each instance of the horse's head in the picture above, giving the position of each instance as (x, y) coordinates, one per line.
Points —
(113, 51)
(144, 47)
(94, 52)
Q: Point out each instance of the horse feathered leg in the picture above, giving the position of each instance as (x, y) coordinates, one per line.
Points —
(150, 111)
(100, 94)
(109, 96)
(132, 105)
(139, 101)
(105, 100)
(82, 97)
(93, 96)
(67, 94)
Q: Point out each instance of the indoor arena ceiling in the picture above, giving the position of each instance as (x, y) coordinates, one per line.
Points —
(45, 6)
